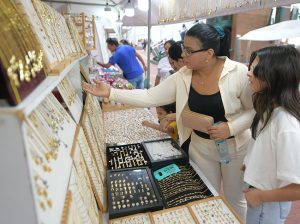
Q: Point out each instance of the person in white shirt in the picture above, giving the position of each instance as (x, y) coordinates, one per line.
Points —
(209, 84)
(272, 164)
(164, 67)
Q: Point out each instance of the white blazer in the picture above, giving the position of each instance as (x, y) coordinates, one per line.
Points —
(235, 92)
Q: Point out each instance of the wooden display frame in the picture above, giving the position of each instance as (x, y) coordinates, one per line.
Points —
(66, 211)
(87, 127)
(84, 74)
(94, 112)
(124, 219)
(71, 98)
(165, 211)
(99, 199)
(83, 17)
(83, 181)
(226, 204)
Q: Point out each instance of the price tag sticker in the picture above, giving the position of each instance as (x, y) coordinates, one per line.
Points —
(166, 171)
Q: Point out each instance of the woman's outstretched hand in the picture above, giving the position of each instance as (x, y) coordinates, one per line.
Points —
(98, 89)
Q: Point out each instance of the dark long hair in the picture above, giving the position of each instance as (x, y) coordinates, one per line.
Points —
(171, 42)
(211, 37)
(175, 51)
(279, 69)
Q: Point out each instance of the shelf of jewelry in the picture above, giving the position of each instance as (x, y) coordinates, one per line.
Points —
(56, 29)
(49, 132)
(164, 151)
(82, 196)
(85, 182)
(93, 144)
(190, 9)
(52, 32)
(131, 191)
(180, 214)
(214, 210)
(126, 156)
(94, 111)
(141, 218)
(81, 144)
(71, 98)
(86, 28)
(183, 187)
(125, 127)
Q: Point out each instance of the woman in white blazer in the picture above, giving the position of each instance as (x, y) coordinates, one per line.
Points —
(211, 84)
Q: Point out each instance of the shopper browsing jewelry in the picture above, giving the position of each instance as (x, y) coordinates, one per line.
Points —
(126, 57)
(212, 85)
(272, 163)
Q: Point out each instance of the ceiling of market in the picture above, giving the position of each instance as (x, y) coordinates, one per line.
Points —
(111, 3)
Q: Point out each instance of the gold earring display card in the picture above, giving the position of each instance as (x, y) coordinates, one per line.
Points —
(126, 156)
(21, 58)
(143, 218)
(214, 210)
(131, 191)
(179, 214)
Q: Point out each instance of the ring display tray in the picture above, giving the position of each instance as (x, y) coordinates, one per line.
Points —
(180, 214)
(163, 152)
(126, 156)
(141, 218)
(132, 191)
(214, 210)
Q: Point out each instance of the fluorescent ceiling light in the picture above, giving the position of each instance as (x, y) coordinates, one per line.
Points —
(129, 10)
(143, 5)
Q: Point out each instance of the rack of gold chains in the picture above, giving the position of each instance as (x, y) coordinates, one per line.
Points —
(20, 53)
(171, 11)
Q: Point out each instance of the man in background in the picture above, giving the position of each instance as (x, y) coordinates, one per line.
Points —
(125, 56)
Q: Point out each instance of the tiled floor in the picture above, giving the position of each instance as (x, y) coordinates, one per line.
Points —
(294, 217)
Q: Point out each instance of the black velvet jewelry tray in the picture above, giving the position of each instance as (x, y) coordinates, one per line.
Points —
(186, 187)
(126, 156)
(156, 155)
(131, 191)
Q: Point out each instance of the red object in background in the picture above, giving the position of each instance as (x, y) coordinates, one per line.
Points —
(57, 95)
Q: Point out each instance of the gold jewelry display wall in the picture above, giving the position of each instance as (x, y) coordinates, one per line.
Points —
(52, 175)
(86, 28)
(171, 11)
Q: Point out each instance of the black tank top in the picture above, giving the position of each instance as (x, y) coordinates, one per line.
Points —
(210, 105)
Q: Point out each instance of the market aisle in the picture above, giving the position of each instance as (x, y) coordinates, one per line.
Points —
(153, 67)
(294, 217)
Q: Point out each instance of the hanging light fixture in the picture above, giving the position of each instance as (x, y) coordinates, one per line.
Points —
(129, 10)
(107, 11)
(107, 8)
